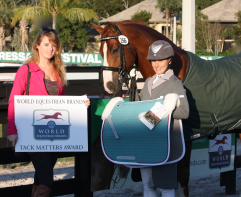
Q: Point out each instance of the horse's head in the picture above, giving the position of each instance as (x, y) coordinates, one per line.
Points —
(224, 138)
(140, 38)
(58, 113)
(110, 52)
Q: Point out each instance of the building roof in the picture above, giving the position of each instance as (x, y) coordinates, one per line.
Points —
(223, 11)
(148, 5)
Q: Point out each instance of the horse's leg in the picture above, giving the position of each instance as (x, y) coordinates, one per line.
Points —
(183, 172)
(102, 169)
(60, 118)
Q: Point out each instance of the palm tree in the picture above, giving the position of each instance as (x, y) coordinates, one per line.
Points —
(224, 34)
(23, 24)
(55, 7)
(5, 17)
(169, 6)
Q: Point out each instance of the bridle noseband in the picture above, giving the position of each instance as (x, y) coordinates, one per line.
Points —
(123, 74)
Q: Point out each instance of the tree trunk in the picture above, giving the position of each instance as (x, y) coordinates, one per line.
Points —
(1, 44)
(23, 41)
(2, 37)
(54, 21)
(23, 38)
(23, 31)
(223, 40)
(171, 28)
(125, 4)
(167, 19)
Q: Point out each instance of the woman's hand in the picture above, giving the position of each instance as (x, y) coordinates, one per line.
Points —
(13, 139)
(87, 101)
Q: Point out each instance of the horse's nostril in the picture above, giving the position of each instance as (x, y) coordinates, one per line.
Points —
(110, 86)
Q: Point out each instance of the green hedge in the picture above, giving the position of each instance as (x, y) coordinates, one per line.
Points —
(205, 53)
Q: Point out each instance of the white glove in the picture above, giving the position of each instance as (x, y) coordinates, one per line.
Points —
(171, 101)
(109, 107)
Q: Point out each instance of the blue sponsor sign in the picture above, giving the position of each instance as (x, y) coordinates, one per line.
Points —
(220, 151)
(51, 124)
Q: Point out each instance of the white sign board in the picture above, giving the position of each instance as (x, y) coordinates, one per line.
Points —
(212, 156)
(51, 124)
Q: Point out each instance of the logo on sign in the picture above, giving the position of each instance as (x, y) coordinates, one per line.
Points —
(220, 151)
(51, 124)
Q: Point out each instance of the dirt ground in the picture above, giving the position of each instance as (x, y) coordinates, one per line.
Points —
(205, 186)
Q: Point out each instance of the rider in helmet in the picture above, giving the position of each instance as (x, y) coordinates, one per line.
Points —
(163, 83)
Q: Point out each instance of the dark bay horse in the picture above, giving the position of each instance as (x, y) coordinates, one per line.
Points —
(141, 37)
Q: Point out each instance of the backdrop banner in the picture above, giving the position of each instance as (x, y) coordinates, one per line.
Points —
(84, 59)
(51, 123)
(81, 59)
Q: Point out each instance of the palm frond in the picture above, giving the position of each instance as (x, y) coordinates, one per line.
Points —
(64, 4)
(5, 15)
(28, 13)
(83, 14)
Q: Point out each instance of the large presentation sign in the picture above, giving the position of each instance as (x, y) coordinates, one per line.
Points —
(51, 124)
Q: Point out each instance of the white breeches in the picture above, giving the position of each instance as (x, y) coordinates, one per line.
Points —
(150, 189)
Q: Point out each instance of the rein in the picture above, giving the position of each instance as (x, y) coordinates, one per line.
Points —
(123, 74)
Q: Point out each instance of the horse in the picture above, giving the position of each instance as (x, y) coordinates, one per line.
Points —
(54, 116)
(222, 141)
(140, 37)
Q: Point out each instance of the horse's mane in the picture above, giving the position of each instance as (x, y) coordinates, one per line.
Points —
(131, 22)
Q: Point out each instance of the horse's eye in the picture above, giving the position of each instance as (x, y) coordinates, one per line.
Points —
(114, 51)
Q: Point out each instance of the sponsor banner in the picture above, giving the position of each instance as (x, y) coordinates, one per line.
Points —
(82, 59)
(212, 156)
(51, 124)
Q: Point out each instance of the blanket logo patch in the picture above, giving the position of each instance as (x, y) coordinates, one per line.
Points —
(51, 124)
(220, 151)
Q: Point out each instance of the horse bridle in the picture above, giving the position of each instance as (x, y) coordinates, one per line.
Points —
(123, 74)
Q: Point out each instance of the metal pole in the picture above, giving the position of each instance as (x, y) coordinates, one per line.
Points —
(188, 25)
(175, 30)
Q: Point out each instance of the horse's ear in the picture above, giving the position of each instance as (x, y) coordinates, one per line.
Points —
(98, 28)
(111, 27)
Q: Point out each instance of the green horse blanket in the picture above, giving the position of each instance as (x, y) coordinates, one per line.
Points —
(213, 88)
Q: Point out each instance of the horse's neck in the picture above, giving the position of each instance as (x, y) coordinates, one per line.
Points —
(180, 62)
